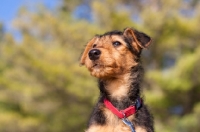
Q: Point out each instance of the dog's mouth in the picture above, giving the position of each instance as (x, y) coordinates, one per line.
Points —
(99, 65)
(102, 70)
(96, 65)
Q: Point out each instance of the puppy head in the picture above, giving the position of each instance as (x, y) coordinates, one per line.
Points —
(114, 53)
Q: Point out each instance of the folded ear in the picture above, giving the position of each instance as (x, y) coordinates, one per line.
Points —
(138, 39)
(86, 50)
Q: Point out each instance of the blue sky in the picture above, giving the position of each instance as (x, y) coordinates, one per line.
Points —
(9, 9)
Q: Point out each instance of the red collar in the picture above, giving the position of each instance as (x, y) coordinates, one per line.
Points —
(126, 112)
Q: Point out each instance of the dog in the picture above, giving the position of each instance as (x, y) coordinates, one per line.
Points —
(114, 58)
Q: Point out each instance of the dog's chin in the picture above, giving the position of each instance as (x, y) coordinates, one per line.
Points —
(102, 72)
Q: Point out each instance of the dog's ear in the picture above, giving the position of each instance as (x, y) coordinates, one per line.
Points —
(138, 39)
(86, 50)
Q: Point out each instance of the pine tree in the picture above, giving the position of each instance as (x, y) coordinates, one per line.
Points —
(43, 88)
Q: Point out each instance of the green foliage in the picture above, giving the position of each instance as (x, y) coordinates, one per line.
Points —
(43, 88)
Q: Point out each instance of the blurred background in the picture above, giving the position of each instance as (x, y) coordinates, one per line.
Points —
(44, 89)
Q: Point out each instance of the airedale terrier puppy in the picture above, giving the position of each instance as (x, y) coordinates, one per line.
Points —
(114, 58)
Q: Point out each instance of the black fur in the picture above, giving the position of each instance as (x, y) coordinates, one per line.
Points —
(97, 115)
(142, 38)
(142, 118)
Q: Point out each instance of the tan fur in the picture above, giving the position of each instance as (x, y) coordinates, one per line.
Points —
(113, 129)
(140, 129)
(136, 43)
(113, 67)
(112, 62)
(119, 86)
(87, 48)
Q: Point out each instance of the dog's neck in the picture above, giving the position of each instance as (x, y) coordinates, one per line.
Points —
(122, 90)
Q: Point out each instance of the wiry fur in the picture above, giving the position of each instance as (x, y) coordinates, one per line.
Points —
(120, 74)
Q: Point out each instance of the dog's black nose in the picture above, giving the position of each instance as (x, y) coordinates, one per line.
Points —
(94, 54)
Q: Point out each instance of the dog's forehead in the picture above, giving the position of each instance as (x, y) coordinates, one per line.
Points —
(117, 37)
(109, 38)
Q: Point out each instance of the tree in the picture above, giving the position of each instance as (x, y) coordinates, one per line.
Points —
(43, 88)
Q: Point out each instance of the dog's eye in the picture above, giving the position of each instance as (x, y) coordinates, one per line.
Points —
(94, 45)
(116, 43)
